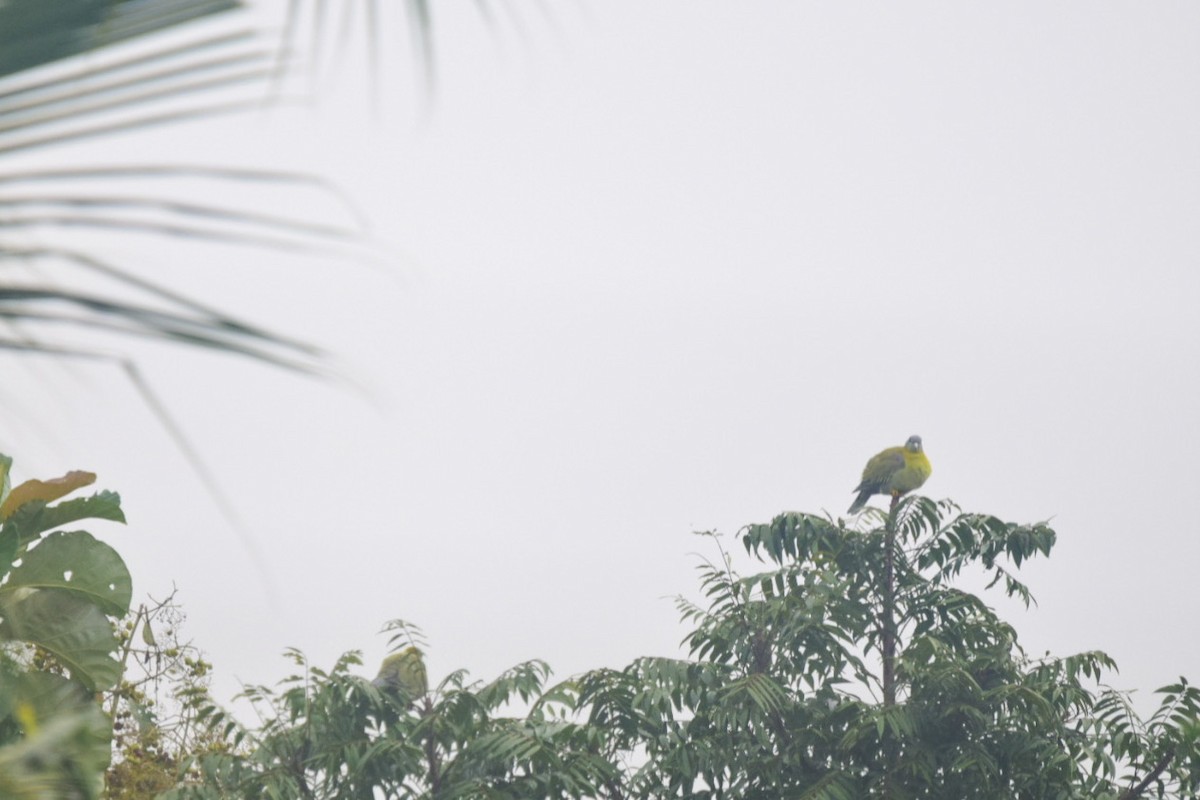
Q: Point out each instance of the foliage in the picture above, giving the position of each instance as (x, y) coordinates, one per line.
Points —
(850, 665)
(784, 694)
(156, 707)
(60, 593)
(331, 734)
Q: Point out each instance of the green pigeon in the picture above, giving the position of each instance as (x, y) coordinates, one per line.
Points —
(404, 671)
(895, 471)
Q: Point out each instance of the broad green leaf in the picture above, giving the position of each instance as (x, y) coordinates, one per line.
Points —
(78, 563)
(45, 491)
(9, 540)
(36, 517)
(74, 630)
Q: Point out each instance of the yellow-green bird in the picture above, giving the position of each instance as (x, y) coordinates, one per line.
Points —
(404, 671)
(895, 471)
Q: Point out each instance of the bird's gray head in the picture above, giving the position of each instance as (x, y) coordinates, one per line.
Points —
(913, 445)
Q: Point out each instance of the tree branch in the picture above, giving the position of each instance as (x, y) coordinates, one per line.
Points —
(889, 610)
(889, 639)
(1136, 791)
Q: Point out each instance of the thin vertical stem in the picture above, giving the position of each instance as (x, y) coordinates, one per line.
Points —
(889, 609)
(431, 752)
(889, 640)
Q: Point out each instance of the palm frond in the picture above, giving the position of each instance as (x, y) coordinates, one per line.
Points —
(34, 203)
(79, 68)
(35, 32)
(308, 28)
(213, 172)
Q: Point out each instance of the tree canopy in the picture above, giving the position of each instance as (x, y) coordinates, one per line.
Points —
(849, 666)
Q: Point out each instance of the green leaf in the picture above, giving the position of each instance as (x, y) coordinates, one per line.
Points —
(9, 540)
(77, 563)
(765, 693)
(36, 517)
(74, 630)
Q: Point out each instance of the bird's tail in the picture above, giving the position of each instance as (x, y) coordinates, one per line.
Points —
(859, 501)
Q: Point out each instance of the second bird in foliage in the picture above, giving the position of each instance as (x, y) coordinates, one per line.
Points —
(895, 471)
(403, 671)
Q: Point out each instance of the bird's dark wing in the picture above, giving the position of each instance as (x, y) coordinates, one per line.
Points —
(881, 468)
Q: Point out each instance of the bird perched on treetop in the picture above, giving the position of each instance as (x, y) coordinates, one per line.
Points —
(895, 471)
(404, 671)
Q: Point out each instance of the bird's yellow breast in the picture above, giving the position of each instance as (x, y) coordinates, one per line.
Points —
(916, 471)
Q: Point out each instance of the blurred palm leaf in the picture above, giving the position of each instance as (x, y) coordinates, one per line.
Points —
(74, 69)
(79, 70)
(37, 32)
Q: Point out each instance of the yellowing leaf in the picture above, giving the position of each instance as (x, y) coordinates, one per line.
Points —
(44, 490)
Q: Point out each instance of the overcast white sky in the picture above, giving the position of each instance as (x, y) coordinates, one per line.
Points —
(663, 267)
